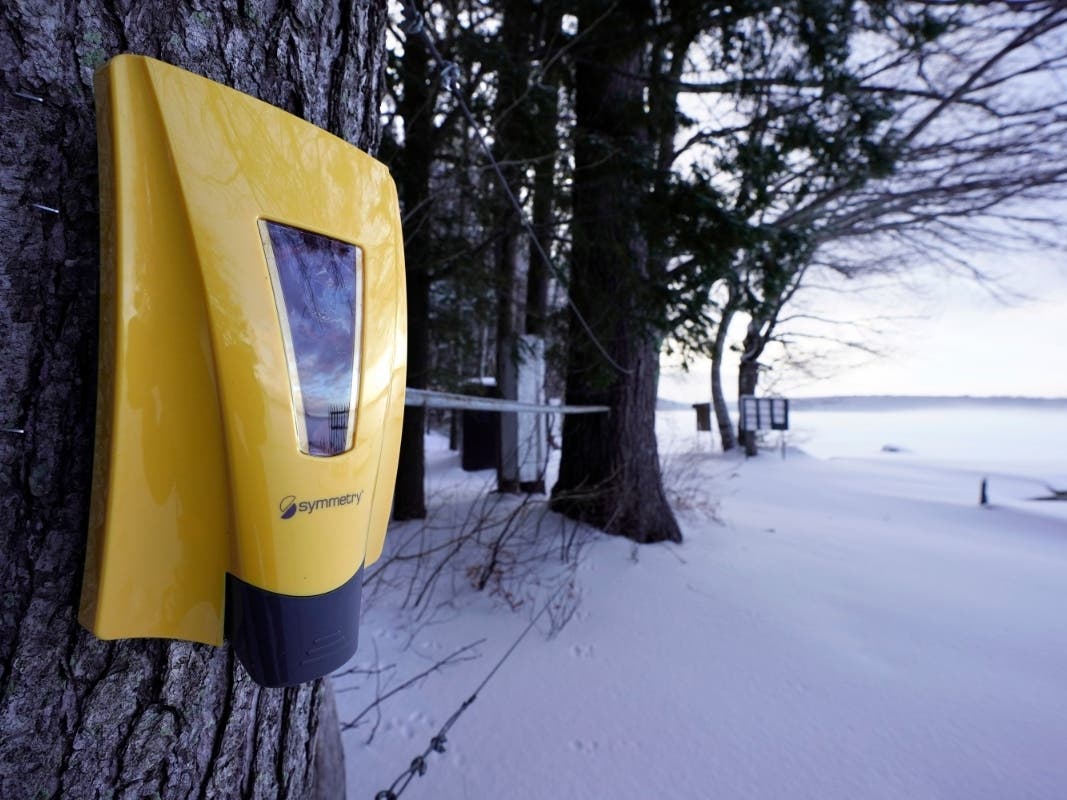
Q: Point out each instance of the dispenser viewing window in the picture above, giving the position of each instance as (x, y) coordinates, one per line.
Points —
(317, 289)
(251, 379)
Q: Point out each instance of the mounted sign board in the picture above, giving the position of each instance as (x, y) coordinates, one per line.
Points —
(764, 413)
(252, 370)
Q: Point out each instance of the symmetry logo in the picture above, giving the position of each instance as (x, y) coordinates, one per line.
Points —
(289, 506)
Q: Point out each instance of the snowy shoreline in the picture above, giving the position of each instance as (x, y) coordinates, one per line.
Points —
(831, 628)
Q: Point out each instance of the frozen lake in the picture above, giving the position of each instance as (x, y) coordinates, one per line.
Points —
(1027, 437)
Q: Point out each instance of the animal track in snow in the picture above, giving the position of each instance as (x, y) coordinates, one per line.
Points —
(582, 746)
(583, 651)
(414, 726)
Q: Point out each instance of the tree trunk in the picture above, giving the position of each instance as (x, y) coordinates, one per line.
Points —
(412, 170)
(543, 125)
(79, 717)
(609, 470)
(409, 498)
(510, 150)
(544, 145)
(718, 397)
(748, 377)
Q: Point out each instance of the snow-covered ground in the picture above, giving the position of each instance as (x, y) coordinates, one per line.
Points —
(844, 623)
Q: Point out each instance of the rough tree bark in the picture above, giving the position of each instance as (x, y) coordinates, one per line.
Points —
(82, 718)
(609, 470)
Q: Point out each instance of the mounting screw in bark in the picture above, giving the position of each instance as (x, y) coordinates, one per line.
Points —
(983, 499)
(28, 96)
(42, 207)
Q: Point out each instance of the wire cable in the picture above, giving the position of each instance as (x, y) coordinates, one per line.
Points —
(419, 765)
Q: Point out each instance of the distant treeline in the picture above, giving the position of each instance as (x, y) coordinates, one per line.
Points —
(887, 402)
(900, 402)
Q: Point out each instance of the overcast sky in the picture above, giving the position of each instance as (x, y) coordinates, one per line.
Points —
(942, 336)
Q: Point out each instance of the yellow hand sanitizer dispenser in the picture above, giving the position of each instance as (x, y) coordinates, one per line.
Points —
(251, 384)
